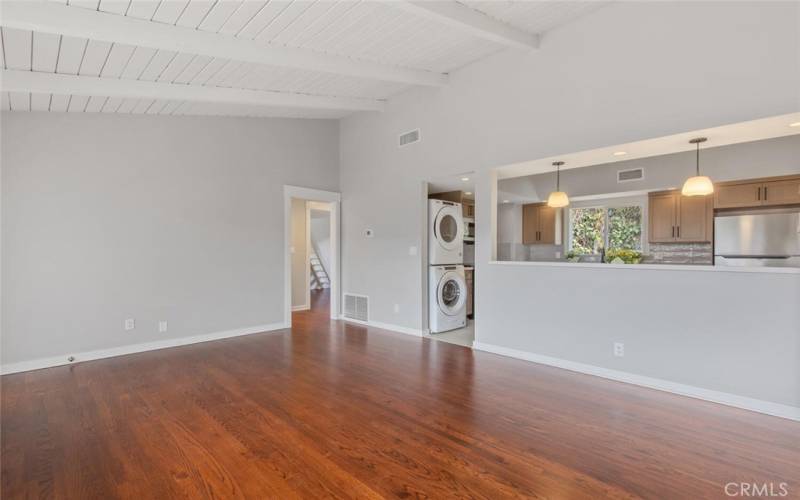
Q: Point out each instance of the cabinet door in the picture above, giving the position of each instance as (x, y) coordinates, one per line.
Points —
(662, 217)
(695, 217)
(530, 223)
(547, 225)
(738, 195)
(781, 192)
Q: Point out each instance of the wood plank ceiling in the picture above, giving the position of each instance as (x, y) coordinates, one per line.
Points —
(294, 58)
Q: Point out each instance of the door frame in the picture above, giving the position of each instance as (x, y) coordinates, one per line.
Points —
(309, 194)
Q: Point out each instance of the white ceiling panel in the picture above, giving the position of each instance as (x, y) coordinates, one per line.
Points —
(118, 58)
(195, 12)
(111, 105)
(169, 11)
(77, 103)
(40, 102)
(17, 48)
(95, 104)
(115, 6)
(143, 9)
(59, 103)
(20, 101)
(94, 58)
(219, 14)
(45, 51)
(70, 54)
(337, 54)
(138, 63)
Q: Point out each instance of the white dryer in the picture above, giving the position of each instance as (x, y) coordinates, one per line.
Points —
(445, 233)
(448, 298)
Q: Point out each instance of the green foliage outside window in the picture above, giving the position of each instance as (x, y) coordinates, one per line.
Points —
(624, 228)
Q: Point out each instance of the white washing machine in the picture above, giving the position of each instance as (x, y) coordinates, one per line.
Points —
(448, 298)
(445, 233)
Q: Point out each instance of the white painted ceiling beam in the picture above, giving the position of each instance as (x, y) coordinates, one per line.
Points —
(56, 83)
(51, 17)
(476, 23)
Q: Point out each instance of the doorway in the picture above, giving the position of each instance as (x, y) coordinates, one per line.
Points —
(311, 253)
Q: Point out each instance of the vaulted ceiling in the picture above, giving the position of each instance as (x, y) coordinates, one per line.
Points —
(293, 58)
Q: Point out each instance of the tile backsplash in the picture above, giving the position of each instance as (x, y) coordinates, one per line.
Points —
(679, 253)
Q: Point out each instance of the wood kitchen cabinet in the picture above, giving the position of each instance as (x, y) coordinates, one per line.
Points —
(675, 218)
(758, 192)
(539, 224)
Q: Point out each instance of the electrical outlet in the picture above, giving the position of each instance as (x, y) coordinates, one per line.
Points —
(619, 349)
(412, 251)
(162, 326)
(130, 324)
(396, 308)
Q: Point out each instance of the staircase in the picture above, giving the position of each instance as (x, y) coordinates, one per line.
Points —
(319, 277)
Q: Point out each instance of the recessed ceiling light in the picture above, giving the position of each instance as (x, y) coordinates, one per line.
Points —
(620, 153)
(795, 124)
(468, 193)
(465, 179)
(505, 201)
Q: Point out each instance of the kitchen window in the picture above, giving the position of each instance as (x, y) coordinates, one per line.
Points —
(592, 229)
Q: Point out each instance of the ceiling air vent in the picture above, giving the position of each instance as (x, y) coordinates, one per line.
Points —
(356, 307)
(408, 138)
(635, 174)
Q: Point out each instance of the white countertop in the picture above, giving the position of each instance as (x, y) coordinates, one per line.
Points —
(658, 267)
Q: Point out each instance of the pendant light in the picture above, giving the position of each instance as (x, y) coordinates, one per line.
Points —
(558, 198)
(699, 185)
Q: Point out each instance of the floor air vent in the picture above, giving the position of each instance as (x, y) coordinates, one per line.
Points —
(356, 307)
(408, 138)
(635, 174)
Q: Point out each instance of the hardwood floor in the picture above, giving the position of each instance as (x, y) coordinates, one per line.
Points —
(340, 410)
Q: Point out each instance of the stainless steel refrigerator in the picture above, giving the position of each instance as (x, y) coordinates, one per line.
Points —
(757, 238)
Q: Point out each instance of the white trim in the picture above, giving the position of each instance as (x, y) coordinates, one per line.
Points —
(38, 82)
(309, 194)
(767, 407)
(386, 326)
(302, 307)
(307, 282)
(471, 21)
(102, 26)
(36, 364)
(651, 267)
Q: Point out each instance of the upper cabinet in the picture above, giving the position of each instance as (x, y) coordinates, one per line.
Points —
(676, 218)
(539, 224)
(757, 193)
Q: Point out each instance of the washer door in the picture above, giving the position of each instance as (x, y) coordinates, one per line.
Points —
(451, 294)
(448, 227)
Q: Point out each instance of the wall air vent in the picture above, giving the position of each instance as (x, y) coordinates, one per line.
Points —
(635, 174)
(356, 307)
(408, 138)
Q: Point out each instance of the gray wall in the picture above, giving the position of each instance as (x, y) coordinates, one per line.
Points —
(779, 156)
(155, 218)
(629, 71)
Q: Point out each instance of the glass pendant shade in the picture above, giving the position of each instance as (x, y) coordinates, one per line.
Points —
(557, 199)
(697, 186)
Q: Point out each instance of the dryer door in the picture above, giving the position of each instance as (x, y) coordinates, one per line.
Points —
(451, 294)
(448, 227)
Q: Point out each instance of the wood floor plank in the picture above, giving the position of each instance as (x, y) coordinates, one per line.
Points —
(337, 410)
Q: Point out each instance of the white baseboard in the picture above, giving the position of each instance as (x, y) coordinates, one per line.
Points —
(36, 364)
(758, 405)
(386, 326)
(301, 308)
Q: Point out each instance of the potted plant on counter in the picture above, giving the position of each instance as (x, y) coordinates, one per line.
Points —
(623, 256)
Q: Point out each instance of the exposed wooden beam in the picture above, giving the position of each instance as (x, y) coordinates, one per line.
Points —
(102, 26)
(470, 20)
(31, 81)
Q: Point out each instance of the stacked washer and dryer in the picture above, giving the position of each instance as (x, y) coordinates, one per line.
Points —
(447, 284)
